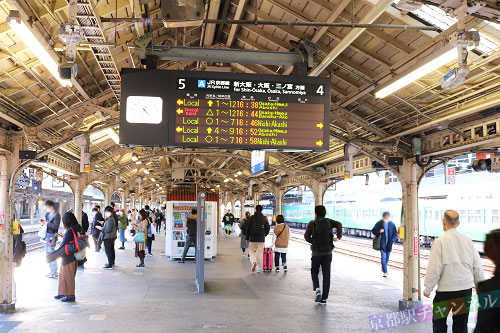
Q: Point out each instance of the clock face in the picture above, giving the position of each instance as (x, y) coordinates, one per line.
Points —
(144, 109)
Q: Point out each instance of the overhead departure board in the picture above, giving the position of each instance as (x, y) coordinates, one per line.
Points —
(242, 111)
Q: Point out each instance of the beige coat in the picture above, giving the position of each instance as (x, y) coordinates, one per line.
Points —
(142, 226)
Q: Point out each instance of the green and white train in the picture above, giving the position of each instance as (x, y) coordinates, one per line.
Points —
(476, 196)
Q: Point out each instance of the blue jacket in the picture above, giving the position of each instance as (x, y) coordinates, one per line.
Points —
(392, 234)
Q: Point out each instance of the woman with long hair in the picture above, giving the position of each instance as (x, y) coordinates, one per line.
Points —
(66, 287)
(488, 320)
(141, 226)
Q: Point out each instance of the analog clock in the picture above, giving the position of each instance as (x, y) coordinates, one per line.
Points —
(144, 109)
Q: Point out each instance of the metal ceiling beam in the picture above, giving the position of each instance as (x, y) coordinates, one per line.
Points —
(226, 55)
(234, 27)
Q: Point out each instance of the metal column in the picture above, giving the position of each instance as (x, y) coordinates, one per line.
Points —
(411, 273)
(5, 239)
(200, 243)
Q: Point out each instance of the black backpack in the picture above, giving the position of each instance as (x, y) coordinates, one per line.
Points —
(257, 224)
(322, 236)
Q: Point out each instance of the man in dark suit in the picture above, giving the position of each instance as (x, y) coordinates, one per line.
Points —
(52, 220)
(386, 229)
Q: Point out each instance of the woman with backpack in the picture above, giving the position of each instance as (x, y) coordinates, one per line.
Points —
(280, 240)
(66, 287)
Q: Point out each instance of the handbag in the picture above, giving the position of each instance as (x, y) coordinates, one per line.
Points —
(139, 238)
(78, 247)
(376, 243)
(42, 233)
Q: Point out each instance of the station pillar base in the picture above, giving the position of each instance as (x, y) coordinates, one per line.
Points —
(404, 304)
(7, 308)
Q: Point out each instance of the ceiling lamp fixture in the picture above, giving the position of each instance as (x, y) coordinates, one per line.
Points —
(153, 180)
(226, 180)
(239, 173)
(236, 175)
(138, 162)
(456, 48)
(134, 157)
(22, 30)
(146, 171)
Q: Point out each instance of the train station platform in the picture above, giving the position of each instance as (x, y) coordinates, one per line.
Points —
(163, 298)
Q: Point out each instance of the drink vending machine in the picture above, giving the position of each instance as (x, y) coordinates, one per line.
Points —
(176, 214)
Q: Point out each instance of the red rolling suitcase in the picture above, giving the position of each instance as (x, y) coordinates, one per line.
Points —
(268, 260)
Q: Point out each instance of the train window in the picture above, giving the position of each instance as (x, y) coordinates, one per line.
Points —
(495, 216)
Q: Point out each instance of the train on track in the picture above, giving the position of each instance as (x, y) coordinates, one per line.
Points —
(476, 196)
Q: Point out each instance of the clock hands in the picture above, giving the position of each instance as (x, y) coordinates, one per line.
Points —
(146, 111)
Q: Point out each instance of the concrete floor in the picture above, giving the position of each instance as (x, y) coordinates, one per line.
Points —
(163, 298)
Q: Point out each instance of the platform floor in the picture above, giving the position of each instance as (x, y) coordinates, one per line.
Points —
(163, 298)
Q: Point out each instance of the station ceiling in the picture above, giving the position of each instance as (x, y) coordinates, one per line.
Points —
(34, 105)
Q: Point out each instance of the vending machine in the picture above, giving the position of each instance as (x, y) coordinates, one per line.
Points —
(176, 215)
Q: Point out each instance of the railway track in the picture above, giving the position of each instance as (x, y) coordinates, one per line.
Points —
(299, 237)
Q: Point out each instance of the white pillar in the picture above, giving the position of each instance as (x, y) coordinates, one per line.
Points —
(78, 198)
(411, 272)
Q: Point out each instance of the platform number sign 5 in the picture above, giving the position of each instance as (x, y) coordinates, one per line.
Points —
(182, 84)
(320, 90)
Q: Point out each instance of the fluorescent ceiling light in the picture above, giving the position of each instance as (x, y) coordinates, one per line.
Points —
(226, 180)
(146, 171)
(422, 70)
(112, 134)
(138, 162)
(236, 175)
(36, 47)
(153, 180)
(240, 173)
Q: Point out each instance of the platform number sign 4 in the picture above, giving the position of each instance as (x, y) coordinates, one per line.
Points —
(320, 90)
(144, 109)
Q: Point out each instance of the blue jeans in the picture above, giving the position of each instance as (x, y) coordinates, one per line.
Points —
(52, 264)
(384, 255)
(277, 259)
(122, 235)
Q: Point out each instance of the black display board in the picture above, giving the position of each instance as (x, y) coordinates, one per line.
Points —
(224, 110)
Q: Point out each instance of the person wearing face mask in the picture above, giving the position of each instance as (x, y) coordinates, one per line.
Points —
(52, 220)
(122, 225)
(386, 229)
(109, 230)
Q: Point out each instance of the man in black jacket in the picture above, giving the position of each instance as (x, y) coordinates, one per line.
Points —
(52, 220)
(319, 233)
(85, 222)
(191, 226)
(96, 222)
(385, 229)
(256, 232)
(228, 220)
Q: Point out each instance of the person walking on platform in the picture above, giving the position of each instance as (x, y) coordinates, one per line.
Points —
(115, 216)
(151, 236)
(66, 287)
(52, 220)
(257, 230)
(228, 220)
(141, 226)
(281, 237)
(158, 220)
(454, 265)
(85, 222)
(319, 233)
(98, 221)
(488, 320)
(243, 232)
(109, 236)
(122, 225)
(191, 224)
(385, 229)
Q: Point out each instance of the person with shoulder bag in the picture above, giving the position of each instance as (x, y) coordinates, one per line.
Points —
(385, 234)
(109, 236)
(18, 252)
(51, 223)
(319, 233)
(141, 229)
(66, 287)
(280, 240)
